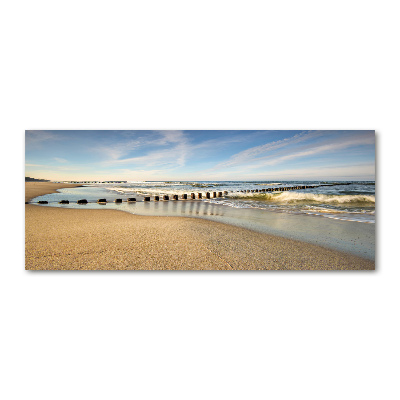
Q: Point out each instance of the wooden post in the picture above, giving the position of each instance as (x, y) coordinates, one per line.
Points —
(102, 201)
(200, 195)
(64, 202)
(166, 197)
(214, 194)
(118, 200)
(156, 198)
(225, 192)
(175, 197)
(43, 202)
(219, 194)
(146, 198)
(208, 195)
(193, 196)
(131, 199)
(184, 196)
(83, 201)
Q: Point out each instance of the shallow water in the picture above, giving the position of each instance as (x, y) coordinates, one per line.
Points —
(352, 201)
(344, 235)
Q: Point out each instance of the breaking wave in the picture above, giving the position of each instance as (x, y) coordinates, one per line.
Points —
(295, 197)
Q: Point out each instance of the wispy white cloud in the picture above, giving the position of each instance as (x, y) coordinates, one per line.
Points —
(179, 151)
(315, 149)
(68, 168)
(60, 160)
(254, 152)
(35, 139)
(299, 146)
(116, 151)
(172, 143)
(168, 157)
(174, 150)
(171, 137)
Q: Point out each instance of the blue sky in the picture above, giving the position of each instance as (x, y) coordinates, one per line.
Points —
(200, 155)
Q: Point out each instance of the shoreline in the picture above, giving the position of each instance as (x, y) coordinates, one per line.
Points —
(59, 238)
(344, 236)
(35, 189)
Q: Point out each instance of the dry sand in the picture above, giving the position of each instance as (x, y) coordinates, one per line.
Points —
(70, 239)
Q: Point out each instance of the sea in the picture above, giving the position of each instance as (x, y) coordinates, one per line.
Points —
(337, 214)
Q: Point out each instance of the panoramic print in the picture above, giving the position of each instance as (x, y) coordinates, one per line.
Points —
(200, 200)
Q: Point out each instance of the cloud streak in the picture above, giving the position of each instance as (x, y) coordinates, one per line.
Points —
(175, 148)
(289, 149)
(36, 139)
(60, 160)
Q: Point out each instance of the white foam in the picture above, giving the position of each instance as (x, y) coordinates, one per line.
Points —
(293, 197)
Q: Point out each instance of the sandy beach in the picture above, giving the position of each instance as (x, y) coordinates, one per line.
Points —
(70, 239)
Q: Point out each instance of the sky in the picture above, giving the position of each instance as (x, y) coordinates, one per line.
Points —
(200, 155)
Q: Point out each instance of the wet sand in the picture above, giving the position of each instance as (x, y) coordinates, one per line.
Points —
(70, 239)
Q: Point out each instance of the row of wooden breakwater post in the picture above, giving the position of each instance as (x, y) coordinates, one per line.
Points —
(185, 196)
(148, 198)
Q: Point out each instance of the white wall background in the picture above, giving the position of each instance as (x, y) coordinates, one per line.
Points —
(199, 65)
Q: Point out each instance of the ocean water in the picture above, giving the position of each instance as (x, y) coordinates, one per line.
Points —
(339, 215)
(347, 201)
